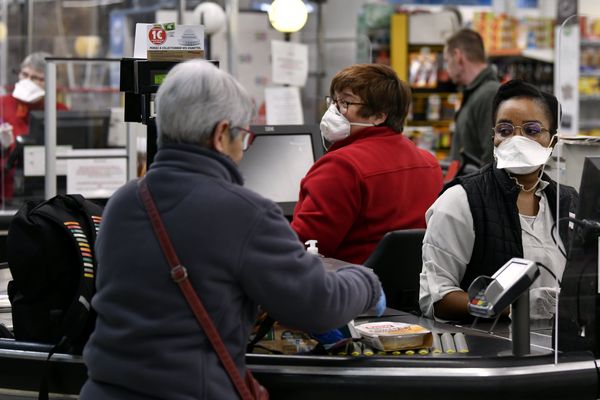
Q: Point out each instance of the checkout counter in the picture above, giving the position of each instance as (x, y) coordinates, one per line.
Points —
(483, 366)
(488, 370)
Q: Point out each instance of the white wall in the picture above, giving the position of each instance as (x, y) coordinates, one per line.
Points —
(589, 7)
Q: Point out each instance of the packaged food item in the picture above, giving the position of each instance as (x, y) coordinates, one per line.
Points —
(268, 336)
(390, 336)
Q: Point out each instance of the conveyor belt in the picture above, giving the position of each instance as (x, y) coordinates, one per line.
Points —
(487, 371)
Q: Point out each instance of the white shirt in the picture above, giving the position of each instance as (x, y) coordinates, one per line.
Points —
(449, 240)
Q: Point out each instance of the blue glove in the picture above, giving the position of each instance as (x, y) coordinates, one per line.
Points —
(330, 337)
(380, 306)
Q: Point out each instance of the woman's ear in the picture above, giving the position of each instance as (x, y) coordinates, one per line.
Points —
(220, 136)
(378, 119)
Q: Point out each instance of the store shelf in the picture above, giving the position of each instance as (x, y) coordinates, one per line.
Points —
(590, 42)
(427, 122)
(589, 97)
(589, 124)
(545, 55)
(421, 92)
(590, 73)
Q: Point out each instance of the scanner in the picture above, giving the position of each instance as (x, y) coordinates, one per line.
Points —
(488, 297)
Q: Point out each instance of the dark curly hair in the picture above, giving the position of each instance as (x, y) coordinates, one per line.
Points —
(517, 88)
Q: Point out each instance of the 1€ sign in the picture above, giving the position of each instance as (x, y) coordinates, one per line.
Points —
(157, 35)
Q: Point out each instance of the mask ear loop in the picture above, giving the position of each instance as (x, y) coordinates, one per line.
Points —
(323, 142)
(544, 165)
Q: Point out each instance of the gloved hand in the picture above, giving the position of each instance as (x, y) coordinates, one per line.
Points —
(542, 302)
(6, 135)
(330, 337)
(381, 305)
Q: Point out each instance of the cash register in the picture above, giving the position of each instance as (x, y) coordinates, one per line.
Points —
(140, 80)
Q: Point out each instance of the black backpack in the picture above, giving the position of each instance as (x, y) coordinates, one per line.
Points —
(50, 252)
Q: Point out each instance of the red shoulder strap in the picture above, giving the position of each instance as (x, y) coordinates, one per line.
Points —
(180, 276)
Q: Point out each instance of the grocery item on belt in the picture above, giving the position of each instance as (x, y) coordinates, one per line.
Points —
(389, 336)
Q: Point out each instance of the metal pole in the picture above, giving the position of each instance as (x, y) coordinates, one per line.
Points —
(232, 11)
(520, 325)
(50, 130)
(131, 151)
(4, 45)
(320, 58)
(181, 6)
(30, 26)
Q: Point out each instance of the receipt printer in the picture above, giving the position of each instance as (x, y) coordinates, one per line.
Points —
(488, 297)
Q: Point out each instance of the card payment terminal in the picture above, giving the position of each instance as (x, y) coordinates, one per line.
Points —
(488, 297)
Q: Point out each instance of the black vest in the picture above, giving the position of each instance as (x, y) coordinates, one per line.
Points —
(492, 197)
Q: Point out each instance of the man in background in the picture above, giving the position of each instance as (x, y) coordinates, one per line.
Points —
(464, 56)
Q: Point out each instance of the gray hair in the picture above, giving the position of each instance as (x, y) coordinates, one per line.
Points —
(194, 97)
(36, 61)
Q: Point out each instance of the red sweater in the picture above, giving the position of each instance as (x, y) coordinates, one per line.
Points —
(16, 113)
(368, 184)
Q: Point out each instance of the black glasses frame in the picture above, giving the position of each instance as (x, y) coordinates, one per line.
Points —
(341, 104)
(497, 130)
(247, 138)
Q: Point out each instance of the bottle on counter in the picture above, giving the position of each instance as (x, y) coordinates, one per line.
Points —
(312, 247)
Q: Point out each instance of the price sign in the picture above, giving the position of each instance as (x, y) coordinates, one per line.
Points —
(157, 35)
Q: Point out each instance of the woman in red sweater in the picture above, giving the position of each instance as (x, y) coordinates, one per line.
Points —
(373, 179)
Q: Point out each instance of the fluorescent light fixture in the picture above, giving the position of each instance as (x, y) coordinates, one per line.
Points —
(288, 15)
(264, 6)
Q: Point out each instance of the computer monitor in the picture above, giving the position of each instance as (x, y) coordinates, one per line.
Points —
(80, 129)
(579, 305)
(278, 159)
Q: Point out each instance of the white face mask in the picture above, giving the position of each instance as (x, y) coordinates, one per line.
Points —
(335, 127)
(519, 155)
(28, 91)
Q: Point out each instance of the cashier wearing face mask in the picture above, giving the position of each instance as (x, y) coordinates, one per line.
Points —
(28, 95)
(505, 210)
(372, 179)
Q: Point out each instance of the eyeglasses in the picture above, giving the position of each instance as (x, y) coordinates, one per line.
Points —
(342, 105)
(33, 77)
(531, 130)
(247, 137)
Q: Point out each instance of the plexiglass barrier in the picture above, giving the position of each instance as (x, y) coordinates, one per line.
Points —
(73, 139)
(577, 164)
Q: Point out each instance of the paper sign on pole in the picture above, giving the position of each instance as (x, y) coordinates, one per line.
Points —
(139, 44)
(290, 62)
(169, 42)
(96, 177)
(34, 160)
(283, 106)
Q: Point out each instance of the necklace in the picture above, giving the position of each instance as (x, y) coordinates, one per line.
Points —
(522, 187)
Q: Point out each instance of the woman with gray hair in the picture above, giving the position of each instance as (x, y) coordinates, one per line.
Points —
(28, 95)
(237, 247)
(225, 106)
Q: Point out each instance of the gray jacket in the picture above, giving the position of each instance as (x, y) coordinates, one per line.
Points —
(239, 251)
(473, 122)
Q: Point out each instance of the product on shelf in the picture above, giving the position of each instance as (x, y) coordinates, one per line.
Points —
(423, 68)
(504, 32)
(498, 31)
